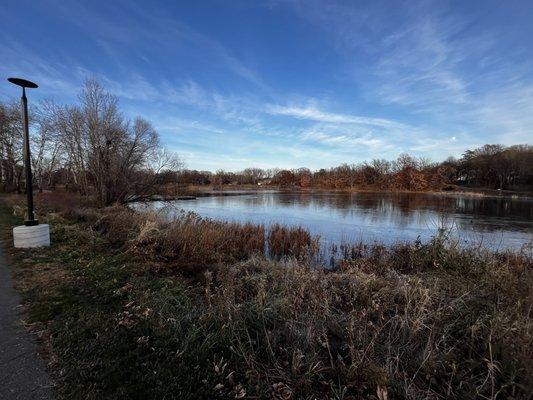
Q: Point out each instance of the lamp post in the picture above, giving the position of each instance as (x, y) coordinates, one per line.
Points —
(30, 221)
(31, 234)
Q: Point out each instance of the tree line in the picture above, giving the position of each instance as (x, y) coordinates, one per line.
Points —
(89, 147)
(92, 149)
(490, 166)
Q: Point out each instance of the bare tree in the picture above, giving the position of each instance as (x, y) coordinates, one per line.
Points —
(69, 123)
(103, 148)
(10, 146)
(46, 146)
(146, 181)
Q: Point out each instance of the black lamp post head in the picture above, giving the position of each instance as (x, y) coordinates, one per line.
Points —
(23, 83)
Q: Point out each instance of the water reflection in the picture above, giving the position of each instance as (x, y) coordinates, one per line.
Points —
(383, 217)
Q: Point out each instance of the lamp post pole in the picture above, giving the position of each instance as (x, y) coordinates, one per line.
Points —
(27, 162)
(30, 221)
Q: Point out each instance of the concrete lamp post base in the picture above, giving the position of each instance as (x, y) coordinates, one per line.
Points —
(31, 236)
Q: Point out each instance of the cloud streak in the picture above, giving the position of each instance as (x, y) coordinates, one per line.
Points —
(314, 114)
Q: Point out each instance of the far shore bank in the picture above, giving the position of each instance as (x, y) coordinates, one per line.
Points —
(192, 192)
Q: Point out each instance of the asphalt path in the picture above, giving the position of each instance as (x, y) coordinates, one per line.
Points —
(22, 371)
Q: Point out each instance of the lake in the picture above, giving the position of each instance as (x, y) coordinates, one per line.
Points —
(493, 222)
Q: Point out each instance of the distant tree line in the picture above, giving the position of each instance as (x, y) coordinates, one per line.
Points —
(490, 166)
(89, 147)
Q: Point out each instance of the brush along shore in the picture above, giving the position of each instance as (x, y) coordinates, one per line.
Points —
(132, 306)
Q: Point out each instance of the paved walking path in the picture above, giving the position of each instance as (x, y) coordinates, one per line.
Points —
(22, 372)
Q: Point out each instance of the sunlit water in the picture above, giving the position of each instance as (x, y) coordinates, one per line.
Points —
(492, 222)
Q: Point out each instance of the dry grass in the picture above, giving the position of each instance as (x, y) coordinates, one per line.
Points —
(292, 242)
(189, 242)
(357, 334)
(417, 321)
(59, 201)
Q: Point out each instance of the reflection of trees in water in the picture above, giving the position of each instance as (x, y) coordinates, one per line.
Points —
(491, 214)
(400, 209)
(496, 207)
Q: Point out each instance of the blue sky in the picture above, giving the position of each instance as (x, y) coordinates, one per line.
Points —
(235, 84)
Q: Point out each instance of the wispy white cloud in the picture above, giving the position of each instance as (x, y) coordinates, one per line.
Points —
(180, 125)
(365, 135)
(419, 66)
(20, 60)
(322, 136)
(431, 62)
(141, 31)
(314, 114)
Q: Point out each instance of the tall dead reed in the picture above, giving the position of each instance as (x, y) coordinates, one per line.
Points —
(292, 242)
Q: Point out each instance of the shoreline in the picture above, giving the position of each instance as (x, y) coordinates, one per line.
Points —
(209, 191)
